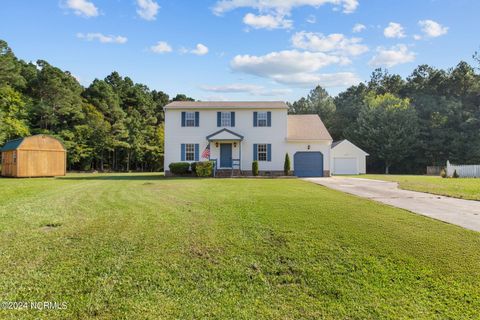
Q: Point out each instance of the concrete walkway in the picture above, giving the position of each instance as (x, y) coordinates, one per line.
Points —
(464, 213)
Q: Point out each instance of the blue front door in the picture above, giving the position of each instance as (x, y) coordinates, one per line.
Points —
(225, 155)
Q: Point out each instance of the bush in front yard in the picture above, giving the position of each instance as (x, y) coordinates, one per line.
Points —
(204, 168)
(455, 174)
(286, 165)
(193, 168)
(443, 173)
(255, 168)
(179, 167)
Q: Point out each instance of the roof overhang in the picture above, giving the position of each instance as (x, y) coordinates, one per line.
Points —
(346, 141)
(308, 140)
(225, 134)
(225, 105)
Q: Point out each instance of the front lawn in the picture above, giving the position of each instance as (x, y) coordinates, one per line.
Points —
(147, 247)
(464, 188)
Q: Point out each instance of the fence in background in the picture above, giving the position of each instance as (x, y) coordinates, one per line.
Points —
(434, 170)
(464, 170)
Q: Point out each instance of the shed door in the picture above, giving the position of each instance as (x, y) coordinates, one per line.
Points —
(308, 164)
(345, 166)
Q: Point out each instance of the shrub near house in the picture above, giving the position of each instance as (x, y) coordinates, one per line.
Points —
(179, 168)
(203, 168)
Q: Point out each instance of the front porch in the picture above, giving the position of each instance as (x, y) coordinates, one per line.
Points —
(226, 152)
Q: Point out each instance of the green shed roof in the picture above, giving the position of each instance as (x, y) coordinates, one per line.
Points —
(12, 145)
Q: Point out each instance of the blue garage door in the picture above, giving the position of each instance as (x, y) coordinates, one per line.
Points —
(308, 164)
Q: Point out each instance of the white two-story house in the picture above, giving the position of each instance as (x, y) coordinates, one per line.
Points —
(234, 134)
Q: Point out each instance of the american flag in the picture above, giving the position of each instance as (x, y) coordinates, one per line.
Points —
(206, 152)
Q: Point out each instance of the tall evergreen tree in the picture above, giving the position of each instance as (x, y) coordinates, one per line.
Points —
(387, 127)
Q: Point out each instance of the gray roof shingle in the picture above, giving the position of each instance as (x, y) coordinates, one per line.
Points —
(306, 127)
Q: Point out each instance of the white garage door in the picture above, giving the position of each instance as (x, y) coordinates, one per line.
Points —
(345, 166)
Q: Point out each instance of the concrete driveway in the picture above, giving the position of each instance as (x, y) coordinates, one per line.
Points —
(464, 213)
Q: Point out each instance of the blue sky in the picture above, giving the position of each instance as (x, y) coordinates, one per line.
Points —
(241, 49)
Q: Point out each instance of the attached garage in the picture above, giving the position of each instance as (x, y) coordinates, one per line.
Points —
(308, 164)
(347, 158)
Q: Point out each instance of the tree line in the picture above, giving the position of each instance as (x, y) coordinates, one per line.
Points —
(115, 124)
(406, 124)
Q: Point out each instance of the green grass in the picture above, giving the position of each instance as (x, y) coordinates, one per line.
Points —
(464, 188)
(147, 247)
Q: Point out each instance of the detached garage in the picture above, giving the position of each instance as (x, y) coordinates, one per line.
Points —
(347, 158)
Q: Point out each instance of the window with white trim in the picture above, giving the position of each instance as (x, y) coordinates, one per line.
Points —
(262, 119)
(14, 157)
(189, 152)
(190, 119)
(262, 152)
(226, 119)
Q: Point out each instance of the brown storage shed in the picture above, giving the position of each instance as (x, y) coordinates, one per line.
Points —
(36, 156)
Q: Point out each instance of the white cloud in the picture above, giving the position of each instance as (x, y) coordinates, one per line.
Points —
(393, 56)
(394, 30)
(335, 43)
(267, 21)
(215, 98)
(252, 89)
(311, 19)
(147, 9)
(274, 92)
(432, 29)
(417, 37)
(293, 67)
(102, 38)
(200, 50)
(83, 8)
(161, 47)
(280, 6)
(326, 80)
(232, 88)
(284, 62)
(358, 28)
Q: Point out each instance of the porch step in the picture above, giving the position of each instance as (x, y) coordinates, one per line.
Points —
(227, 173)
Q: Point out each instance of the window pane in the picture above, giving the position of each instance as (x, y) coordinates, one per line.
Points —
(262, 119)
(190, 152)
(225, 117)
(190, 119)
(262, 152)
